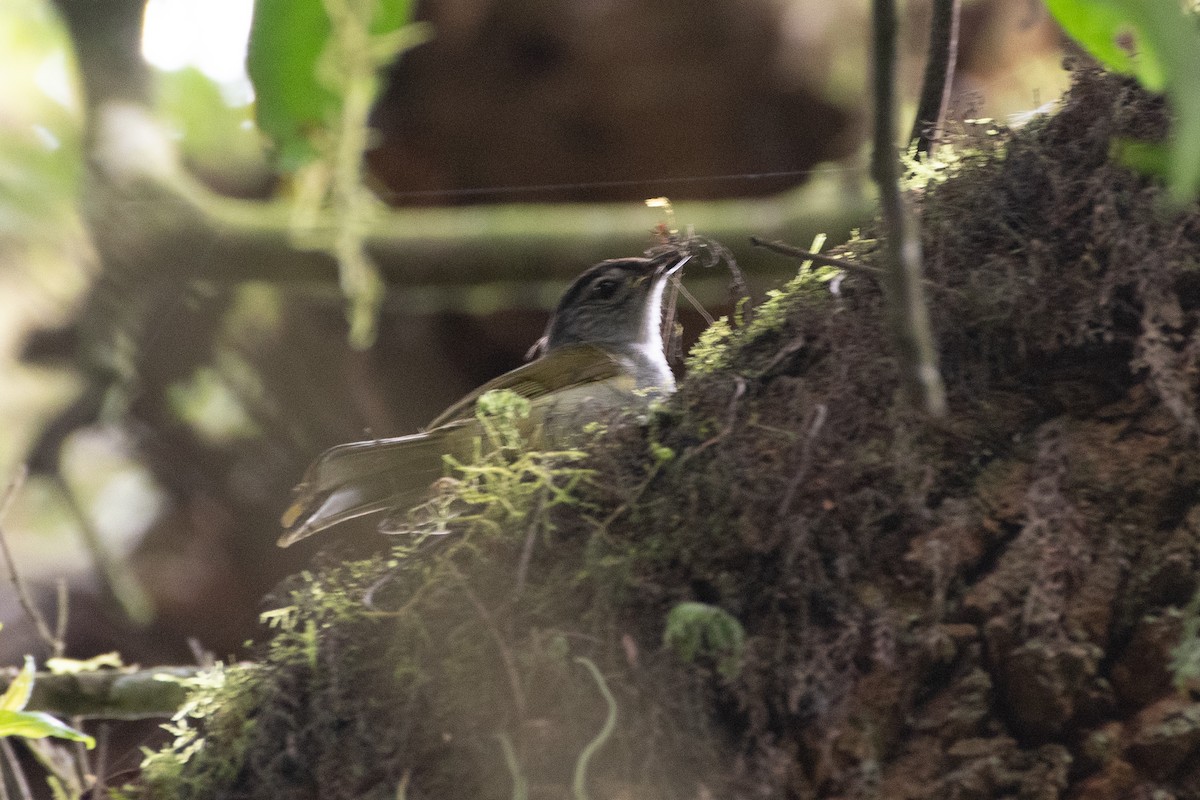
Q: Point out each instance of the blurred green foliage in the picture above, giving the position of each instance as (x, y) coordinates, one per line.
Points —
(1157, 42)
(216, 137)
(40, 128)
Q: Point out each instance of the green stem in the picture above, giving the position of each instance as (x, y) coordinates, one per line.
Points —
(579, 782)
(359, 277)
(520, 785)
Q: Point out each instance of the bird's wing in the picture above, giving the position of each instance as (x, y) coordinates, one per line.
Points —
(360, 478)
(562, 368)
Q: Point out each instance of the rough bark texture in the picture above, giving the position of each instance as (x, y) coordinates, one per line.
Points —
(980, 609)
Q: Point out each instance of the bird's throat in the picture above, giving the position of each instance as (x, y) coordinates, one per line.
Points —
(650, 361)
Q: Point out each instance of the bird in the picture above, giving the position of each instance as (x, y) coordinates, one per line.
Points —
(602, 351)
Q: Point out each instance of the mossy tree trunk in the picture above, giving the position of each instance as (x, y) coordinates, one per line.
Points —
(981, 607)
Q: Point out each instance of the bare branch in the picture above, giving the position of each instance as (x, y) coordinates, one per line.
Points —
(14, 576)
(108, 693)
(816, 258)
(14, 769)
(506, 655)
(939, 75)
(908, 315)
(153, 217)
(117, 578)
(60, 624)
(813, 423)
(100, 787)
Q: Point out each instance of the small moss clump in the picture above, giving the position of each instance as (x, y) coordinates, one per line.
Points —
(212, 731)
(717, 345)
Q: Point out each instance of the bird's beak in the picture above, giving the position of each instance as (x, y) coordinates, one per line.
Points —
(670, 264)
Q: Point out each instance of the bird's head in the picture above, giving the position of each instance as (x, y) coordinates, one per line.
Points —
(616, 303)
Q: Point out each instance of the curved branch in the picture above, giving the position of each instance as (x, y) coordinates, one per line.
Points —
(147, 214)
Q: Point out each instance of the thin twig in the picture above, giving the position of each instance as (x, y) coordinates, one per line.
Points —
(14, 766)
(670, 330)
(939, 75)
(876, 273)
(489, 622)
(527, 547)
(520, 790)
(632, 500)
(116, 577)
(817, 421)
(731, 418)
(816, 258)
(10, 492)
(696, 304)
(23, 595)
(99, 787)
(82, 772)
(203, 658)
(3, 781)
(907, 313)
(60, 623)
(794, 345)
(359, 276)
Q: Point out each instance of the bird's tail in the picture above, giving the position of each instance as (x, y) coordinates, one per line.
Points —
(352, 480)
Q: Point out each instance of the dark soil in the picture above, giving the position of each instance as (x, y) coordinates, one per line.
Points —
(979, 607)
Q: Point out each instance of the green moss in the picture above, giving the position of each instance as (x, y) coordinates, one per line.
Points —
(695, 630)
(459, 624)
(661, 453)
(711, 351)
(212, 731)
(715, 348)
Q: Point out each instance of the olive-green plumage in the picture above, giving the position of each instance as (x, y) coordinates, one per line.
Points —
(602, 350)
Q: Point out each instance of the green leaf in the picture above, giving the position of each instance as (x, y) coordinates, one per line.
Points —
(1164, 55)
(32, 724)
(1150, 158)
(1177, 35)
(1102, 27)
(36, 725)
(288, 41)
(17, 694)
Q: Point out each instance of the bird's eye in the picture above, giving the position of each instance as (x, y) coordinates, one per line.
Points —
(604, 289)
